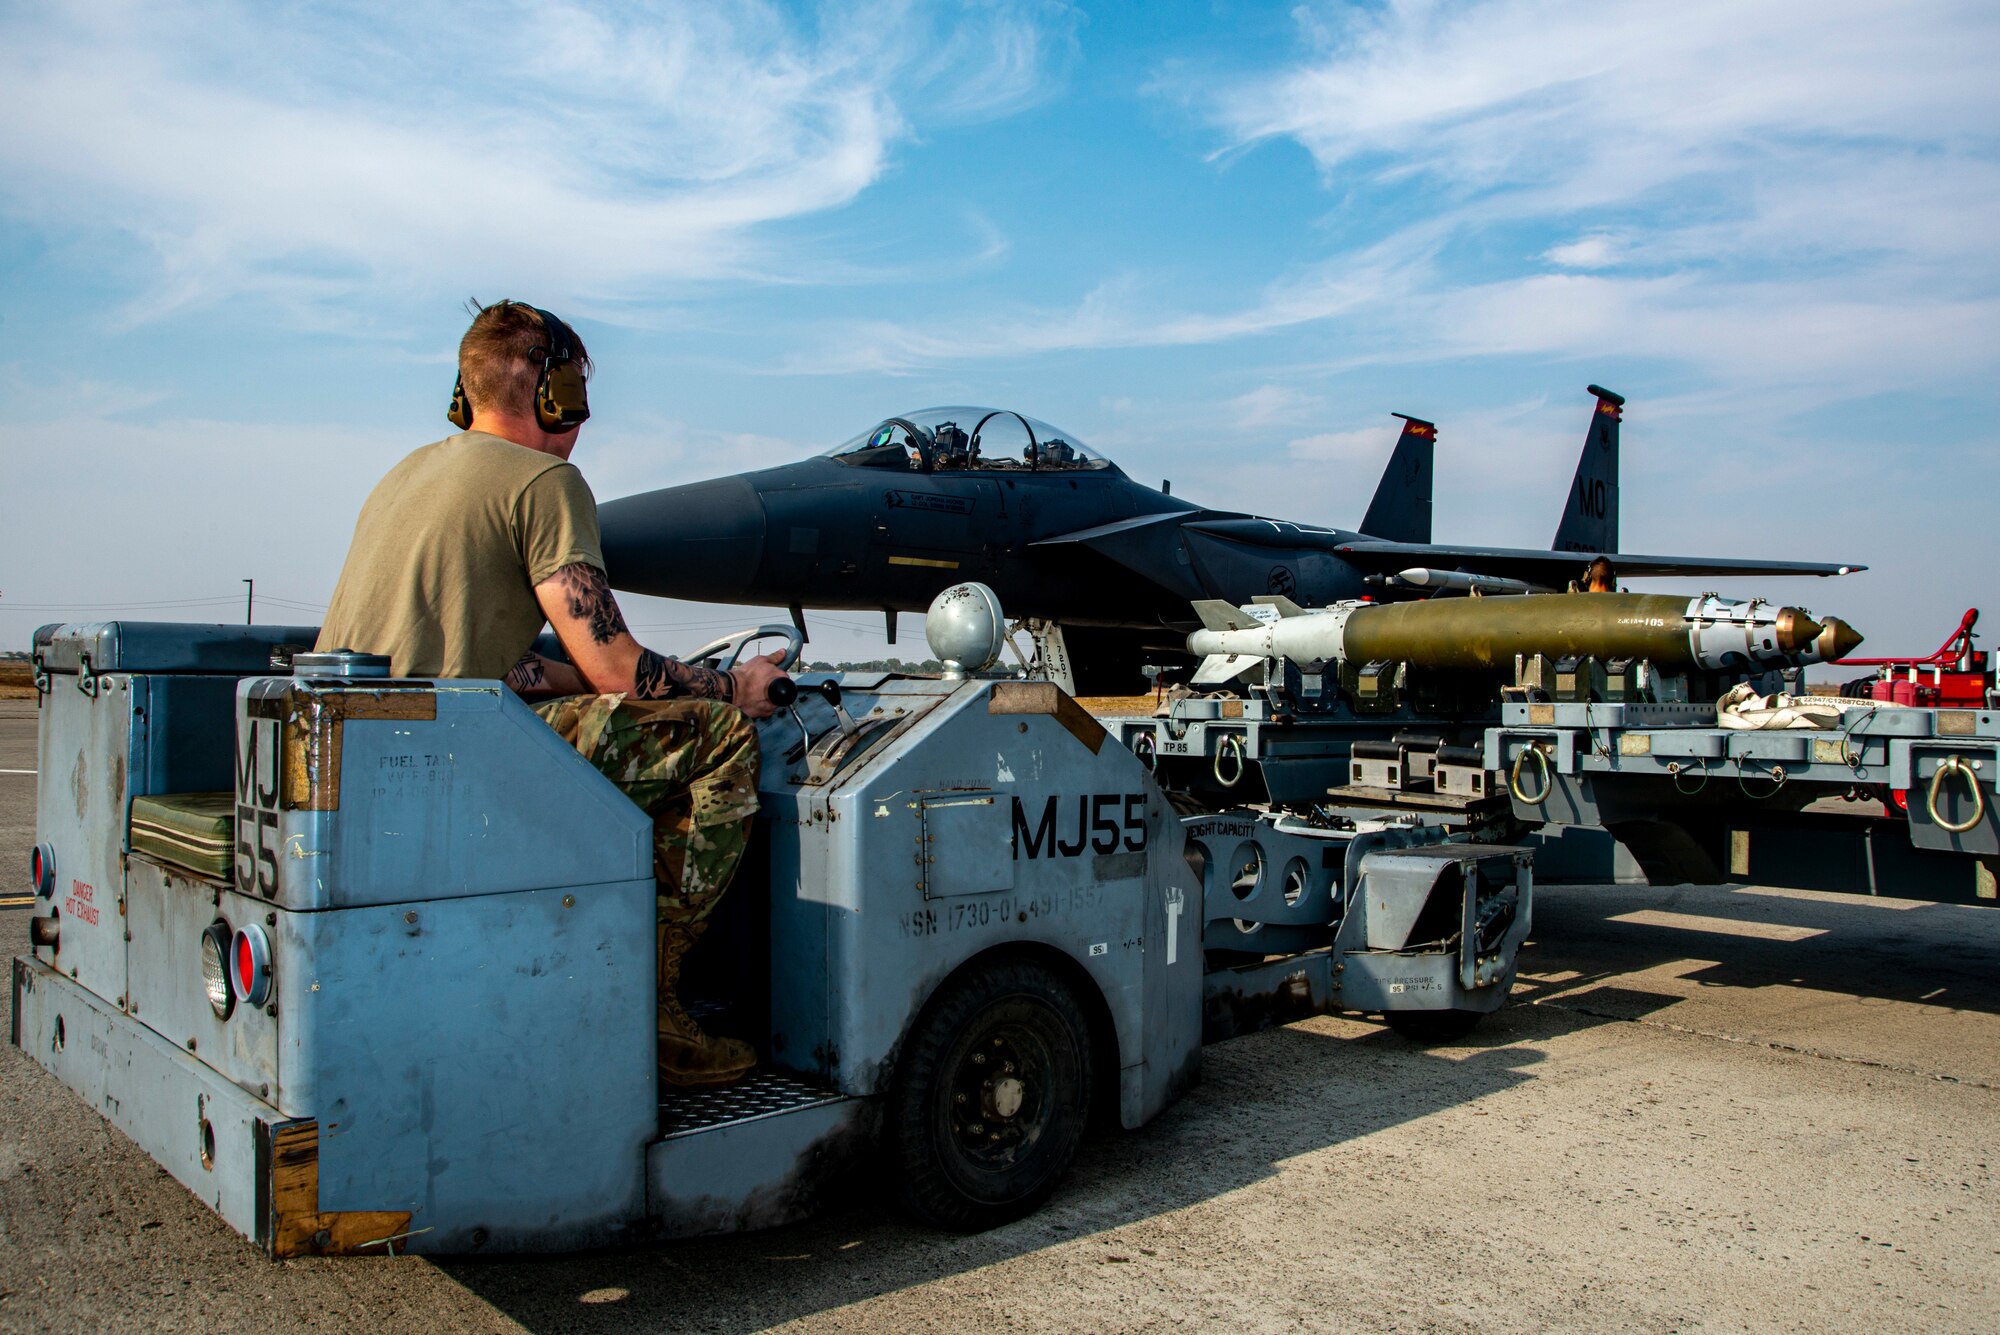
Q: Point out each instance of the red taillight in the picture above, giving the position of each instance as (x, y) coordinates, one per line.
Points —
(250, 964)
(1900, 799)
(42, 869)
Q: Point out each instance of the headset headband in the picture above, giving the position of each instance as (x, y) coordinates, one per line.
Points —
(562, 342)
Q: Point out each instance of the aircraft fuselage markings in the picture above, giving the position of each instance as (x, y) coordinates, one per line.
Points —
(1591, 497)
(925, 500)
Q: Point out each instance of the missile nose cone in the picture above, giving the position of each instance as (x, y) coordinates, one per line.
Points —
(1796, 629)
(701, 541)
(1838, 640)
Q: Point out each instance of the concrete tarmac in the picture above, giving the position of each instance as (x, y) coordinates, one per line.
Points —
(1711, 1109)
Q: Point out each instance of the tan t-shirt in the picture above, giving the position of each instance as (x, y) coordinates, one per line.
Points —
(450, 545)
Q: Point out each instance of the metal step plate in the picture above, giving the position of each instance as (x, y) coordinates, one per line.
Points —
(759, 1094)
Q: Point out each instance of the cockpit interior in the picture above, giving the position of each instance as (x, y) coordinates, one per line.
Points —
(967, 439)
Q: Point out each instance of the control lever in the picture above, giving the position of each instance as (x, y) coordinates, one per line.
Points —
(830, 691)
(785, 694)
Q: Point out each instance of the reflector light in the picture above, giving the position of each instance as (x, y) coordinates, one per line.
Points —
(215, 968)
(250, 964)
(42, 869)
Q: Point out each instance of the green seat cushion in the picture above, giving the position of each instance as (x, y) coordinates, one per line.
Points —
(192, 830)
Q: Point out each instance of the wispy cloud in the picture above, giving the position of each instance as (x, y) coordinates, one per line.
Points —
(1785, 190)
(1126, 311)
(1576, 104)
(1789, 193)
(586, 154)
(1597, 250)
(1274, 405)
(656, 451)
(1358, 446)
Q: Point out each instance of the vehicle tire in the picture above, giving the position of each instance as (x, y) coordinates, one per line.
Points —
(990, 1097)
(1434, 1026)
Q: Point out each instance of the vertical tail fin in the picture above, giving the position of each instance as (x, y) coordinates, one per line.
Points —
(1217, 614)
(1590, 516)
(1279, 603)
(1401, 509)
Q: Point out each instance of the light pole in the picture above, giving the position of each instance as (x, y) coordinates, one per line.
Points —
(250, 602)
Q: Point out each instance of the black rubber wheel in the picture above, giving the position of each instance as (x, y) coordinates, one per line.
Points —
(990, 1097)
(1434, 1026)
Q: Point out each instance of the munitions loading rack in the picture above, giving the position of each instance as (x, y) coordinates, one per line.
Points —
(1752, 803)
(1895, 800)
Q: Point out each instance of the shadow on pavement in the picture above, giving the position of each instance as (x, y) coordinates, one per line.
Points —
(1944, 956)
(1264, 1099)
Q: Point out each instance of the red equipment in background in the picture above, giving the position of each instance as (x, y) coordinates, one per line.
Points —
(1957, 676)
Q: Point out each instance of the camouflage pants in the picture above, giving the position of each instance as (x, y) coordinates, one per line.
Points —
(692, 766)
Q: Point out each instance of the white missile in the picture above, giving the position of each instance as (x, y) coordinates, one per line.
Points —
(1423, 577)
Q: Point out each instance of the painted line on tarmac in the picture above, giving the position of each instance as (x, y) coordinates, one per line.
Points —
(15, 901)
(20, 771)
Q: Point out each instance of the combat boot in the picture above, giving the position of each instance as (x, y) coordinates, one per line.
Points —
(688, 1057)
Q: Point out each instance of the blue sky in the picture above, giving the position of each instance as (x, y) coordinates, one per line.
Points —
(1219, 243)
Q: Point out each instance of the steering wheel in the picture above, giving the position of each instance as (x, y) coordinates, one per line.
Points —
(782, 691)
(733, 645)
(1034, 451)
(926, 450)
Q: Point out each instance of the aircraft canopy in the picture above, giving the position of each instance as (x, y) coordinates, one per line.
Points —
(967, 439)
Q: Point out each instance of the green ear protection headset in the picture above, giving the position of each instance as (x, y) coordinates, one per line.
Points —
(560, 400)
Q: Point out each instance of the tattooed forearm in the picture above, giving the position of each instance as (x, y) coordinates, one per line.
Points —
(589, 620)
(649, 677)
(590, 601)
(659, 678)
(527, 676)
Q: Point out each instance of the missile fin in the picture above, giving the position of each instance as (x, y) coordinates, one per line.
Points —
(1285, 606)
(1219, 668)
(1216, 614)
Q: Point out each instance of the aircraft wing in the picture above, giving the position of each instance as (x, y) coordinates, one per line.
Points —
(1140, 544)
(1098, 535)
(1556, 569)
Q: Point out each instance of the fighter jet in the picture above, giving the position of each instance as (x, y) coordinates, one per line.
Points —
(886, 520)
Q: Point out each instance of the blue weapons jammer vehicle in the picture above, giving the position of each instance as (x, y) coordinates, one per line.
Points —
(367, 963)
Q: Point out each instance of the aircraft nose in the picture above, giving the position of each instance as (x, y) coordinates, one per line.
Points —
(701, 542)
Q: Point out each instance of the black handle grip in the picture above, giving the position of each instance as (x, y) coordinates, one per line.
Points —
(782, 692)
